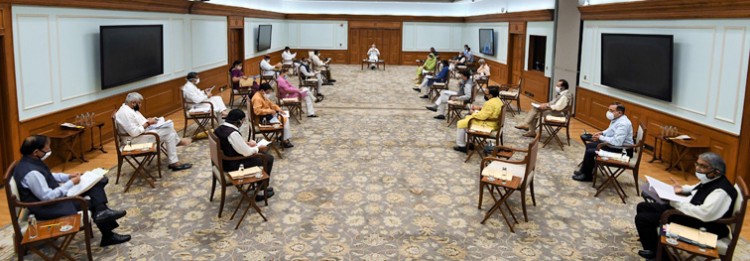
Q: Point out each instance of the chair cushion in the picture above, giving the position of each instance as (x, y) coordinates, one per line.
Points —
(227, 179)
(518, 170)
(554, 119)
(513, 92)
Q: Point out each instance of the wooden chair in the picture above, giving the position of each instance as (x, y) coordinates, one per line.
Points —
(270, 79)
(201, 118)
(612, 168)
(480, 139)
(294, 106)
(724, 246)
(273, 133)
(456, 108)
(554, 125)
(309, 82)
(132, 157)
(19, 213)
(217, 168)
(510, 93)
(243, 93)
(523, 178)
(437, 87)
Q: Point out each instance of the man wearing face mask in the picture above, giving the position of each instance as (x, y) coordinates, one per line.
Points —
(619, 133)
(263, 107)
(233, 145)
(266, 68)
(196, 96)
(463, 94)
(555, 107)
(130, 119)
(37, 183)
(486, 116)
(308, 74)
(713, 198)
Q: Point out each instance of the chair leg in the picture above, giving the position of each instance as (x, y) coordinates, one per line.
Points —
(518, 104)
(635, 177)
(213, 188)
(523, 205)
(223, 196)
(184, 128)
(119, 169)
(481, 194)
(567, 133)
(87, 235)
(531, 186)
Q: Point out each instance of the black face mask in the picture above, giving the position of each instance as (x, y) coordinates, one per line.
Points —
(486, 98)
(137, 107)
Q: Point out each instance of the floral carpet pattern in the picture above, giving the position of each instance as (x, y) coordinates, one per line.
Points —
(373, 178)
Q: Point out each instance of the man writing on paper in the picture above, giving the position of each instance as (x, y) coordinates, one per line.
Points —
(322, 67)
(441, 77)
(619, 133)
(463, 94)
(486, 116)
(269, 112)
(287, 90)
(36, 183)
(196, 96)
(713, 198)
(130, 119)
(266, 68)
(233, 145)
(562, 101)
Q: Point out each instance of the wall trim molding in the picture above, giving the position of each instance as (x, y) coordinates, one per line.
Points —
(534, 15)
(667, 9)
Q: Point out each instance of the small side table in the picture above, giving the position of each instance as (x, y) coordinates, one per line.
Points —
(377, 64)
(681, 148)
(49, 230)
(66, 138)
(91, 132)
(254, 185)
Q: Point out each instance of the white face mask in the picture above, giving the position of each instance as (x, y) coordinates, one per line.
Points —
(46, 155)
(268, 95)
(558, 89)
(702, 177)
(197, 81)
(610, 115)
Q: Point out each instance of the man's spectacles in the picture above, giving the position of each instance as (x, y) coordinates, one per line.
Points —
(702, 166)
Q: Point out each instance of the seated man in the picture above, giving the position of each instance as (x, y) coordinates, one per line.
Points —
(458, 60)
(372, 56)
(619, 133)
(263, 107)
(304, 69)
(427, 66)
(37, 183)
(486, 116)
(483, 71)
(464, 94)
(195, 96)
(287, 90)
(322, 67)
(130, 119)
(713, 198)
(266, 68)
(287, 57)
(233, 145)
(467, 53)
(562, 101)
(442, 76)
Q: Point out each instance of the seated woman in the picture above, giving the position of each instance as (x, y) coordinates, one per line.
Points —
(425, 67)
(287, 90)
(263, 107)
(372, 56)
(237, 74)
(483, 71)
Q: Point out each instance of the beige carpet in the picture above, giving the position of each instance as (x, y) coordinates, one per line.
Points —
(374, 178)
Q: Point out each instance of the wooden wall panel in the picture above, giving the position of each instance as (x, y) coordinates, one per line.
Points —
(169, 6)
(4, 13)
(536, 86)
(8, 101)
(498, 71)
(338, 56)
(667, 9)
(591, 108)
(374, 24)
(743, 164)
(535, 15)
(410, 58)
(375, 18)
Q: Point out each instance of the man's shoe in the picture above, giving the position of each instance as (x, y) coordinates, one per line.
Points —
(109, 215)
(432, 108)
(522, 127)
(180, 167)
(312, 116)
(114, 240)
(331, 80)
(423, 96)
(287, 144)
(416, 89)
(647, 254)
(582, 178)
(577, 173)
(270, 194)
(440, 117)
(459, 149)
(530, 134)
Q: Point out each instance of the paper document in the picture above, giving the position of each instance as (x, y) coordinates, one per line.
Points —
(248, 172)
(138, 146)
(481, 128)
(692, 235)
(682, 137)
(71, 125)
(211, 89)
(535, 105)
(666, 191)
(200, 108)
(161, 123)
(88, 180)
(495, 170)
(263, 142)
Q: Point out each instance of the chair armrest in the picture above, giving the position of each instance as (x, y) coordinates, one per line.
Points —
(256, 155)
(497, 149)
(517, 162)
(156, 136)
(664, 219)
(205, 102)
(604, 144)
(79, 199)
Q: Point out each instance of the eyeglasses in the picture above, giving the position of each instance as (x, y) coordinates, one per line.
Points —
(702, 166)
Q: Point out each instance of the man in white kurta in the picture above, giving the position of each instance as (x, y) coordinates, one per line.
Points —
(195, 96)
(372, 56)
(305, 70)
(287, 57)
(267, 68)
(322, 67)
(130, 120)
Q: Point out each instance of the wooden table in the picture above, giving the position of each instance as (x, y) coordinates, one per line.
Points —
(377, 64)
(693, 250)
(255, 184)
(66, 138)
(90, 128)
(681, 148)
(495, 187)
(50, 229)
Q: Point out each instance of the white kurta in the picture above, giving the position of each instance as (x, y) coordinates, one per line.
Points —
(372, 54)
(194, 96)
(287, 57)
(132, 122)
(267, 68)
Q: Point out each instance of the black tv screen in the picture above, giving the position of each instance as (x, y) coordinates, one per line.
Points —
(638, 63)
(264, 37)
(487, 41)
(129, 53)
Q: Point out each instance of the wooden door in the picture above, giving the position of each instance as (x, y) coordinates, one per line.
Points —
(236, 45)
(354, 46)
(391, 46)
(516, 50)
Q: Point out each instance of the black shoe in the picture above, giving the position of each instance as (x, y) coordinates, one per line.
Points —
(577, 173)
(109, 215)
(287, 144)
(114, 240)
(582, 178)
(416, 89)
(440, 117)
(181, 167)
(647, 254)
(327, 83)
(331, 80)
(312, 116)
(432, 108)
(423, 96)
(262, 197)
(459, 149)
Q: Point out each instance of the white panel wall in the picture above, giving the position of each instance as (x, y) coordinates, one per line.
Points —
(710, 67)
(542, 29)
(279, 36)
(322, 35)
(471, 37)
(445, 37)
(57, 53)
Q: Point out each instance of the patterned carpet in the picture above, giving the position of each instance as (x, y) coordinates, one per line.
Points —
(374, 178)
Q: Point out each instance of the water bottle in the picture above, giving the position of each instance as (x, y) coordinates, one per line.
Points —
(505, 174)
(33, 229)
(242, 167)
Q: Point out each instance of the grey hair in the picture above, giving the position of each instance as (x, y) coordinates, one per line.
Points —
(481, 61)
(715, 161)
(133, 97)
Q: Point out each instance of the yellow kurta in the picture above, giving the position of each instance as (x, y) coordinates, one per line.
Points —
(487, 116)
(428, 65)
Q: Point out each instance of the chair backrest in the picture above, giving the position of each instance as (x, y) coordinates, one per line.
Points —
(185, 105)
(531, 158)
(215, 150)
(12, 196)
(116, 132)
(500, 123)
(735, 222)
(640, 137)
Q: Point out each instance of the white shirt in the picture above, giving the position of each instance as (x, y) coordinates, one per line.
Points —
(35, 181)
(287, 57)
(192, 93)
(619, 133)
(130, 121)
(267, 68)
(714, 206)
(561, 103)
(316, 61)
(373, 54)
(238, 143)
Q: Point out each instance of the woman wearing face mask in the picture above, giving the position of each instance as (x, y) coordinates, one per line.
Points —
(713, 198)
(555, 107)
(618, 134)
(263, 107)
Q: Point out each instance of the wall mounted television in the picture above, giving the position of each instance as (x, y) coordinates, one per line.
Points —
(264, 37)
(129, 53)
(487, 41)
(638, 63)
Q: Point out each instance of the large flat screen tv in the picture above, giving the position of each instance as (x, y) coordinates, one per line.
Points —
(264, 37)
(487, 41)
(638, 63)
(129, 53)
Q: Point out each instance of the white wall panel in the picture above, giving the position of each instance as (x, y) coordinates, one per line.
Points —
(324, 35)
(445, 37)
(279, 36)
(207, 34)
(471, 37)
(542, 29)
(34, 61)
(709, 72)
